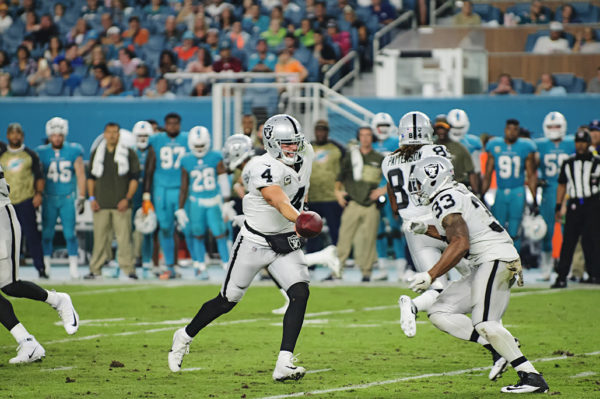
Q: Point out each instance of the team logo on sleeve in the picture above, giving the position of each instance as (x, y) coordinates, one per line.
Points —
(287, 180)
(268, 131)
(432, 170)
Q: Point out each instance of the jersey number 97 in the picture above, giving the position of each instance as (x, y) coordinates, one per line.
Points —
(170, 157)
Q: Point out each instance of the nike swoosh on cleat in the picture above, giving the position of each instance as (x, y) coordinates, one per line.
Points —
(74, 319)
(31, 355)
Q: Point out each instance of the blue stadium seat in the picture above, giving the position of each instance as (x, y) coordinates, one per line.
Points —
(262, 97)
(570, 82)
(20, 87)
(519, 85)
(523, 9)
(54, 87)
(585, 12)
(155, 43)
(88, 88)
(183, 89)
(128, 82)
(487, 13)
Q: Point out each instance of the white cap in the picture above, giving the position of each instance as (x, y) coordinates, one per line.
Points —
(113, 30)
(556, 26)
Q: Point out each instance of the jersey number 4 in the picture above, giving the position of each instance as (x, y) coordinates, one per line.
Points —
(59, 171)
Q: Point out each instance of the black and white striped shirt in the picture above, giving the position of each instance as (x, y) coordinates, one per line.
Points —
(581, 174)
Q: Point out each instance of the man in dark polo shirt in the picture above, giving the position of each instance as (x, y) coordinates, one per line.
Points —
(112, 182)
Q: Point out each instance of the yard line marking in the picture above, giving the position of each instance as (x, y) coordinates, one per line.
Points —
(113, 290)
(330, 312)
(317, 371)
(414, 377)
(91, 321)
(584, 374)
(58, 368)
(192, 369)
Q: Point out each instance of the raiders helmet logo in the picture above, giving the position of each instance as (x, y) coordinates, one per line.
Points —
(432, 170)
(294, 242)
(268, 132)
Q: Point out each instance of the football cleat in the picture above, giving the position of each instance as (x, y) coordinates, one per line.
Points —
(286, 370)
(67, 313)
(528, 383)
(499, 364)
(408, 316)
(169, 274)
(29, 350)
(180, 348)
(332, 261)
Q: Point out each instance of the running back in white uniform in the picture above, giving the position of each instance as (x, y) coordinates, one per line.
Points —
(10, 236)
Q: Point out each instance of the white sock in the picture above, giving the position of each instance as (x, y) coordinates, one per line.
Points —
(424, 301)
(19, 332)
(526, 367)
(457, 325)
(47, 263)
(186, 336)
(546, 266)
(52, 299)
(73, 264)
(503, 342)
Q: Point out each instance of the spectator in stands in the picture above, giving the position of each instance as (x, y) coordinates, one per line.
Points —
(594, 130)
(91, 9)
(27, 5)
(305, 33)
(97, 56)
(187, 50)
(43, 74)
(274, 35)
(262, 60)
(161, 89)
(586, 41)
(212, 43)
(200, 89)
(102, 76)
(342, 39)
(70, 80)
(467, 17)
(227, 62)
(116, 89)
(117, 11)
(321, 18)
(535, 15)
(127, 61)
(113, 174)
(383, 10)
(156, 8)
(106, 23)
(202, 63)
(593, 85)
(226, 20)
(142, 79)
(115, 43)
(171, 34)
(286, 63)
(187, 14)
(83, 36)
(72, 56)
(237, 36)
(167, 62)
(324, 53)
(554, 43)
(5, 19)
(356, 190)
(568, 15)
(505, 85)
(58, 12)
(136, 34)
(46, 30)
(277, 13)
(54, 50)
(4, 60)
(254, 22)
(200, 28)
(24, 64)
(269, 4)
(5, 85)
(216, 8)
(548, 87)
(249, 129)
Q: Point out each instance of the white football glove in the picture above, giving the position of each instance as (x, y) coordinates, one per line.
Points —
(238, 221)
(227, 211)
(420, 282)
(415, 227)
(182, 218)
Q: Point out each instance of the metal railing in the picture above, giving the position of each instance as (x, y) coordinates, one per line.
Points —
(352, 56)
(434, 13)
(388, 28)
(227, 75)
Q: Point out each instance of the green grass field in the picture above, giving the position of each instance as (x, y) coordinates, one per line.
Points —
(351, 341)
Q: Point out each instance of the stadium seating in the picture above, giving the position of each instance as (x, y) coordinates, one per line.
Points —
(523, 9)
(570, 82)
(584, 12)
(20, 87)
(532, 38)
(519, 85)
(54, 87)
(89, 87)
(488, 13)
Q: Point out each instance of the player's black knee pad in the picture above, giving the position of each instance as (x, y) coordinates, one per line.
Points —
(298, 292)
(223, 304)
(25, 289)
(12, 289)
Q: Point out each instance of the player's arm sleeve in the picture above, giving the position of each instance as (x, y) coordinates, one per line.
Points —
(36, 165)
(562, 176)
(88, 170)
(134, 166)
(265, 175)
(345, 168)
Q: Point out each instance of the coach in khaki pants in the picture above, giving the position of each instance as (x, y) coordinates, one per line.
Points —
(357, 190)
(112, 181)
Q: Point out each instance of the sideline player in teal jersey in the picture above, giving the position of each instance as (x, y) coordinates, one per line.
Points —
(553, 149)
(459, 129)
(386, 133)
(204, 185)
(65, 174)
(511, 157)
(162, 175)
(145, 224)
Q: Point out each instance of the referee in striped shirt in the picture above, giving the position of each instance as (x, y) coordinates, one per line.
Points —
(579, 178)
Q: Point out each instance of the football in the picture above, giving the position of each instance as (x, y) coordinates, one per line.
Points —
(309, 224)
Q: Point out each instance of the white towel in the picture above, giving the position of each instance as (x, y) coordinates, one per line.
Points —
(121, 158)
(357, 162)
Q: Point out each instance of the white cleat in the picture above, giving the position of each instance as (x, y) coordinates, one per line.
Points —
(180, 348)
(498, 368)
(28, 351)
(67, 313)
(408, 316)
(282, 309)
(285, 369)
(332, 261)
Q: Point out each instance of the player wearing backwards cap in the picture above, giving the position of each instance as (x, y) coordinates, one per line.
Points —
(277, 185)
(65, 175)
(553, 149)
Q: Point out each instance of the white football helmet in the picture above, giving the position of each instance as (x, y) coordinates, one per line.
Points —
(415, 128)
(199, 141)
(142, 131)
(236, 150)
(430, 176)
(145, 224)
(284, 129)
(459, 124)
(555, 126)
(383, 126)
(57, 125)
(534, 227)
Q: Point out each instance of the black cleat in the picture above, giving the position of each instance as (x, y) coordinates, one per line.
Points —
(528, 383)
(559, 284)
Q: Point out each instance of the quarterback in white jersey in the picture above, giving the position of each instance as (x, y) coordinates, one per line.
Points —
(277, 184)
(471, 231)
(29, 349)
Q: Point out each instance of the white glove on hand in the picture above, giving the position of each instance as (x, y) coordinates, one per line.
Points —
(420, 282)
(238, 221)
(80, 205)
(182, 218)
(417, 227)
(227, 211)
